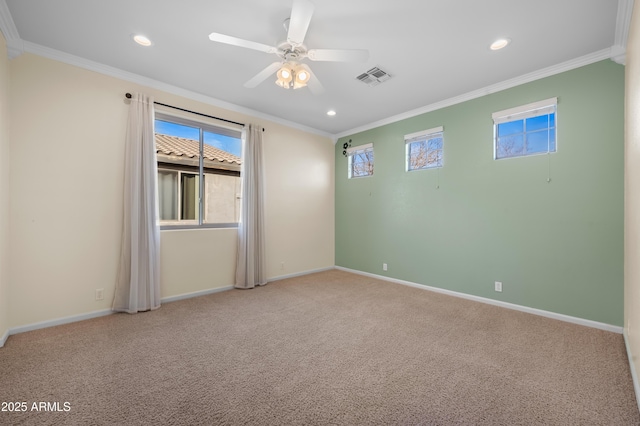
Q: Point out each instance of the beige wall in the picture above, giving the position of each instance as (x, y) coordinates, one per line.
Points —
(632, 194)
(4, 190)
(67, 137)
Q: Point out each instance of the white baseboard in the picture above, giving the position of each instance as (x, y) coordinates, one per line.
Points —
(634, 373)
(4, 338)
(548, 314)
(59, 321)
(299, 274)
(96, 314)
(170, 299)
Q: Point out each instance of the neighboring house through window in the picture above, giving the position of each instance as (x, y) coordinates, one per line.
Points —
(360, 160)
(525, 130)
(424, 149)
(182, 199)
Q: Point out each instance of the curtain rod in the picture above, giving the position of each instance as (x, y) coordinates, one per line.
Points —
(128, 96)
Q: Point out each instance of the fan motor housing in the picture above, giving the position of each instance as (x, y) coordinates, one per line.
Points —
(291, 53)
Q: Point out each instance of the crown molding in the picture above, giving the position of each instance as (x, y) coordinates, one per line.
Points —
(15, 45)
(7, 26)
(79, 62)
(507, 84)
(623, 22)
(619, 54)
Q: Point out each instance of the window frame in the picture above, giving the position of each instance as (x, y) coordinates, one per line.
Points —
(199, 171)
(524, 112)
(178, 173)
(357, 150)
(423, 136)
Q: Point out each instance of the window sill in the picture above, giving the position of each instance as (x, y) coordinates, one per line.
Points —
(203, 226)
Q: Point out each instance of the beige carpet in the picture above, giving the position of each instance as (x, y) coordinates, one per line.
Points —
(329, 349)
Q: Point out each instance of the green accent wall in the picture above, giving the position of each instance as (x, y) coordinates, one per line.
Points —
(556, 246)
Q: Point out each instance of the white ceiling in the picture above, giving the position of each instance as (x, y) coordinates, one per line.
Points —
(435, 50)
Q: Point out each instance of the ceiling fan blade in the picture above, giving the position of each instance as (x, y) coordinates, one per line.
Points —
(313, 84)
(301, 13)
(263, 75)
(234, 41)
(338, 55)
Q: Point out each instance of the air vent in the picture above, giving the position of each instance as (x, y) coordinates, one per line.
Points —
(373, 77)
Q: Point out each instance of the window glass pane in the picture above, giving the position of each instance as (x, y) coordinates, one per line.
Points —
(415, 148)
(425, 153)
(168, 194)
(222, 190)
(537, 141)
(175, 129)
(225, 143)
(537, 123)
(511, 128)
(189, 199)
(221, 198)
(432, 159)
(361, 163)
(510, 146)
(552, 140)
(552, 120)
(435, 143)
(417, 155)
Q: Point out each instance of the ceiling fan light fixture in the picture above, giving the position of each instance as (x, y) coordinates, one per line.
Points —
(284, 73)
(292, 75)
(285, 76)
(301, 77)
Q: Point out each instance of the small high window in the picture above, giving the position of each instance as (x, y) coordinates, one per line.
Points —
(360, 161)
(525, 130)
(424, 149)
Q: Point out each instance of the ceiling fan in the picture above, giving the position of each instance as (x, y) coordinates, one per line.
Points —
(291, 73)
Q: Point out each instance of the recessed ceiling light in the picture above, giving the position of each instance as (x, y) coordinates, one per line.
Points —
(142, 40)
(331, 113)
(500, 44)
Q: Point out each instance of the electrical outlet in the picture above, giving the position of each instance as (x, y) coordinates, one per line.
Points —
(498, 286)
(99, 293)
(384, 266)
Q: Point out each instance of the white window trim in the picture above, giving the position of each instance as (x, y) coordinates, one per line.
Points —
(412, 137)
(355, 149)
(533, 109)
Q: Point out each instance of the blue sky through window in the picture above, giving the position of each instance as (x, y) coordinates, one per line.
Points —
(532, 135)
(225, 143)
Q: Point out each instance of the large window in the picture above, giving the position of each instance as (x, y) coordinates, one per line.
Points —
(424, 149)
(360, 161)
(525, 130)
(190, 153)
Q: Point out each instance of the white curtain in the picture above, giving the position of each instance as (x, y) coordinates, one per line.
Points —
(138, 284)
(251, 265)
